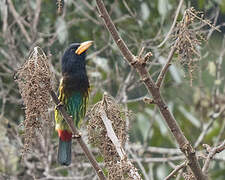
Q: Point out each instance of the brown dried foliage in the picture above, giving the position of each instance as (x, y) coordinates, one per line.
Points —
(188, 176)
(189, 35)
(117, 169)
(34, 81)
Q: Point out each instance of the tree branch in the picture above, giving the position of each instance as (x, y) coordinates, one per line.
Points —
(177, 168)
(166, 66)
(206, 128)
(78, 137)
(212, 152)
(36, 16)
(184, 144)
(17, 18)
(173, 25)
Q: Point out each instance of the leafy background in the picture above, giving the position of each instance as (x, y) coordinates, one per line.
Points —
(140, 23)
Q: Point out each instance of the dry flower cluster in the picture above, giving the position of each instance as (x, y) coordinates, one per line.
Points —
(34, 81)
(188, 35)
(117, 168)
(189, 176)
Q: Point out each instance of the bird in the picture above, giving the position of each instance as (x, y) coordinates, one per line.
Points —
(73, 94)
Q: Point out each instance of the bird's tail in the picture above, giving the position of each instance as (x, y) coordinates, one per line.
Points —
(64, 150)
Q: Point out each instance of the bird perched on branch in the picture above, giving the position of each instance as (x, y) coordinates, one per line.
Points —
(73, 94)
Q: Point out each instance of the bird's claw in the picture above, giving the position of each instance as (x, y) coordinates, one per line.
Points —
(75, 136)
(59, 105)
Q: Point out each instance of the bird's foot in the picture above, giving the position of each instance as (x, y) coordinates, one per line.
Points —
(75, 136)
(59, 105)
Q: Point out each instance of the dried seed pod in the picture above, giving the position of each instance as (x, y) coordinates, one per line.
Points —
(99, 135)
(34, 81)
(189, 36)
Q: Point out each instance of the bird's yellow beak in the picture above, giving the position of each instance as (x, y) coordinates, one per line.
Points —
(83, 47)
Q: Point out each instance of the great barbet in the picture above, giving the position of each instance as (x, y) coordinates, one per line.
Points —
(73, 94)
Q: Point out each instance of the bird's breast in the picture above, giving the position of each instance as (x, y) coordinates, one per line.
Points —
(77, 82)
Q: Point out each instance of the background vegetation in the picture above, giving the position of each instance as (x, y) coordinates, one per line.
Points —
(199, 109)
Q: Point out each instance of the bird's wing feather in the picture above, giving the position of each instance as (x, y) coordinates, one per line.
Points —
(75, 105)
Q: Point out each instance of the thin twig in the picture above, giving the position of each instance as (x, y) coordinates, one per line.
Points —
(151, 173)
(36, 16)
(79, 139)
(111, 27)
(88, 5)
(166, 66)
(204, 132)
(17, 18)
(89, 17)
(214, 23)
(4, 16)
(206, 128)
(173, 25)
(177, 168)
(184, 144)
(205, 21)
(121, 94)
(158, 150)
(212, 152)
(134, 100)
(222, 130)
(162, 159)
(135, 158)
(129, 9)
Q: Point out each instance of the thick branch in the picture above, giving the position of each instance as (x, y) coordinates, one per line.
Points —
(78, 137)
(184, 144)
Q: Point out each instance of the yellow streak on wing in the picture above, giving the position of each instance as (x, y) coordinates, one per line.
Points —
(60, 124)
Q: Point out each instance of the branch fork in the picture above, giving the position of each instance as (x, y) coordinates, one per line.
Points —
(212, 152)
(149, 100)
(76, 136)
(140, 60)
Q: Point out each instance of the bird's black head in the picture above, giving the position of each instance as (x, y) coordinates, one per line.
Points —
(73, 58)
(73, 68)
